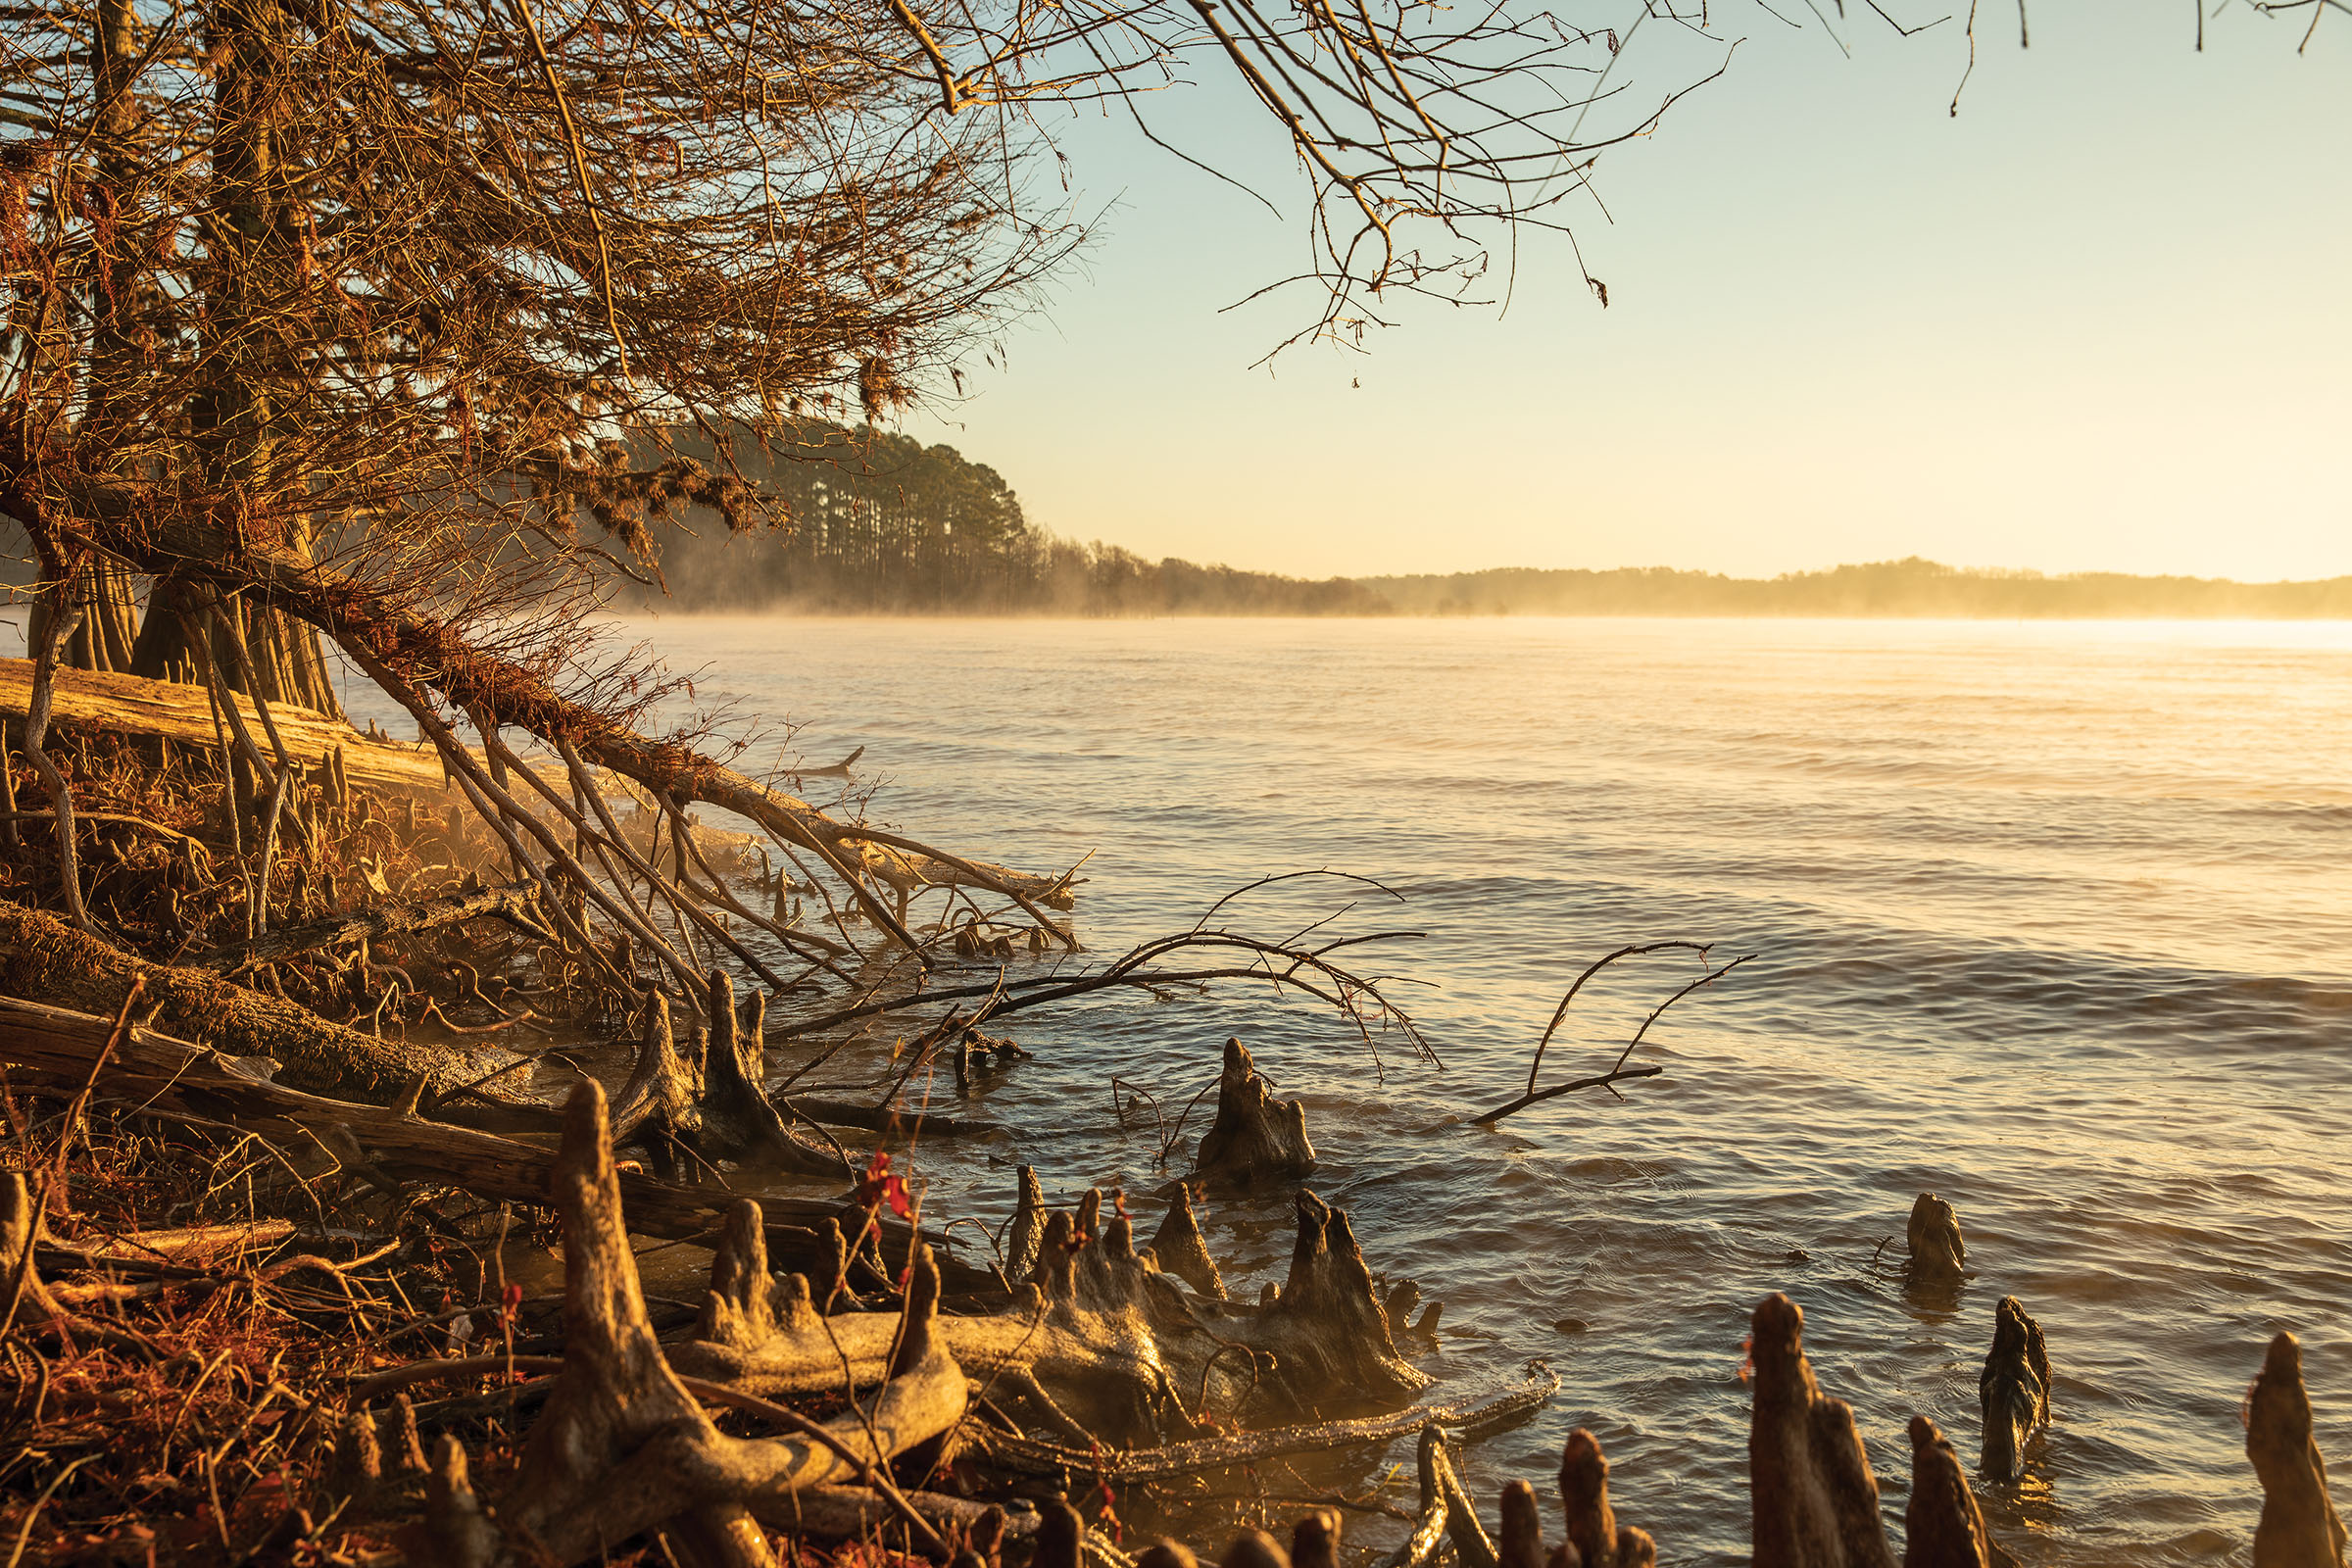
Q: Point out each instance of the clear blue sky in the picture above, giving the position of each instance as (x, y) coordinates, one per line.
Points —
(2102, 318)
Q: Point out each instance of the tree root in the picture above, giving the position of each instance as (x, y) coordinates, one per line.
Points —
(1943, 1526)
(1595, 1537)
(1482, 1405)
(710, 1100)
(173, 1078)
(1178, 1249)
(623, 1449)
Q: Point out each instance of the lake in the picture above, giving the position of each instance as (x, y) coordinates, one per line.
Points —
(2054, 919)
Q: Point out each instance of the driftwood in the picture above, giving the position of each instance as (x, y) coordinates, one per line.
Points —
(887, 1118)
(1479, 1405)
(840, 769)
(2299, 1526)
(1813, 1500)
(2013, 1390)
(623, 1449)
(515, 905)
(1255, 1134)
(172, 1077)
(1938, 1256)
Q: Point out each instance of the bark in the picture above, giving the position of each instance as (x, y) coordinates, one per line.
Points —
(2300, 1527)
(103, 637)
(1813, 1500)
(2013, 1390)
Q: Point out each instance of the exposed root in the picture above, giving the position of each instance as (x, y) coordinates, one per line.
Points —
(2300, 1527)
(2013, 1390)
(1813, 1500)
(1328, 1331)
(1255, 1134)
(623, 1447)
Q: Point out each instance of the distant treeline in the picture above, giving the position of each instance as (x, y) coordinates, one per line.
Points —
(1909, 587)
(884, 524)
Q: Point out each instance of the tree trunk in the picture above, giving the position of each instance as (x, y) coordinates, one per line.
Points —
(254, 251)
(108, 630)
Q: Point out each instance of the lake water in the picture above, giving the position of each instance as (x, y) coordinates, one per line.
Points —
(2052, 919)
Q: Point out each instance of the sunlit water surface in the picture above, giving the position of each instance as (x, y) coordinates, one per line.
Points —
(2053, 919)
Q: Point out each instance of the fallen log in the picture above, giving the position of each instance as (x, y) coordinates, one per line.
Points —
(172, 1077)
(96, 701)
(398, 643)
(510, 903)
(43, 959)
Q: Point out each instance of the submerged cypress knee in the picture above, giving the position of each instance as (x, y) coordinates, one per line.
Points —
(2300, 1527)
(1938, 1256)
(2013, 1390)
(1255, 1134)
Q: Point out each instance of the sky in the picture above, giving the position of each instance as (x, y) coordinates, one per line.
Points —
(2100, 320)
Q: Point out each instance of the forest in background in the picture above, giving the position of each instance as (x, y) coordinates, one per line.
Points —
(882, 525)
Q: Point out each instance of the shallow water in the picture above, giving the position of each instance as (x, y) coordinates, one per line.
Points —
(2053, 919)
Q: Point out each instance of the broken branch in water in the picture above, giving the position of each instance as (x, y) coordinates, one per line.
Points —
(1619, 1072)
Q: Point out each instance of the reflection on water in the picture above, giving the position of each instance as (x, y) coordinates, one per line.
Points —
(2052, 919)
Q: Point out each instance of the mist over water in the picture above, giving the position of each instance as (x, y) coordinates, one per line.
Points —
(2054, 919)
